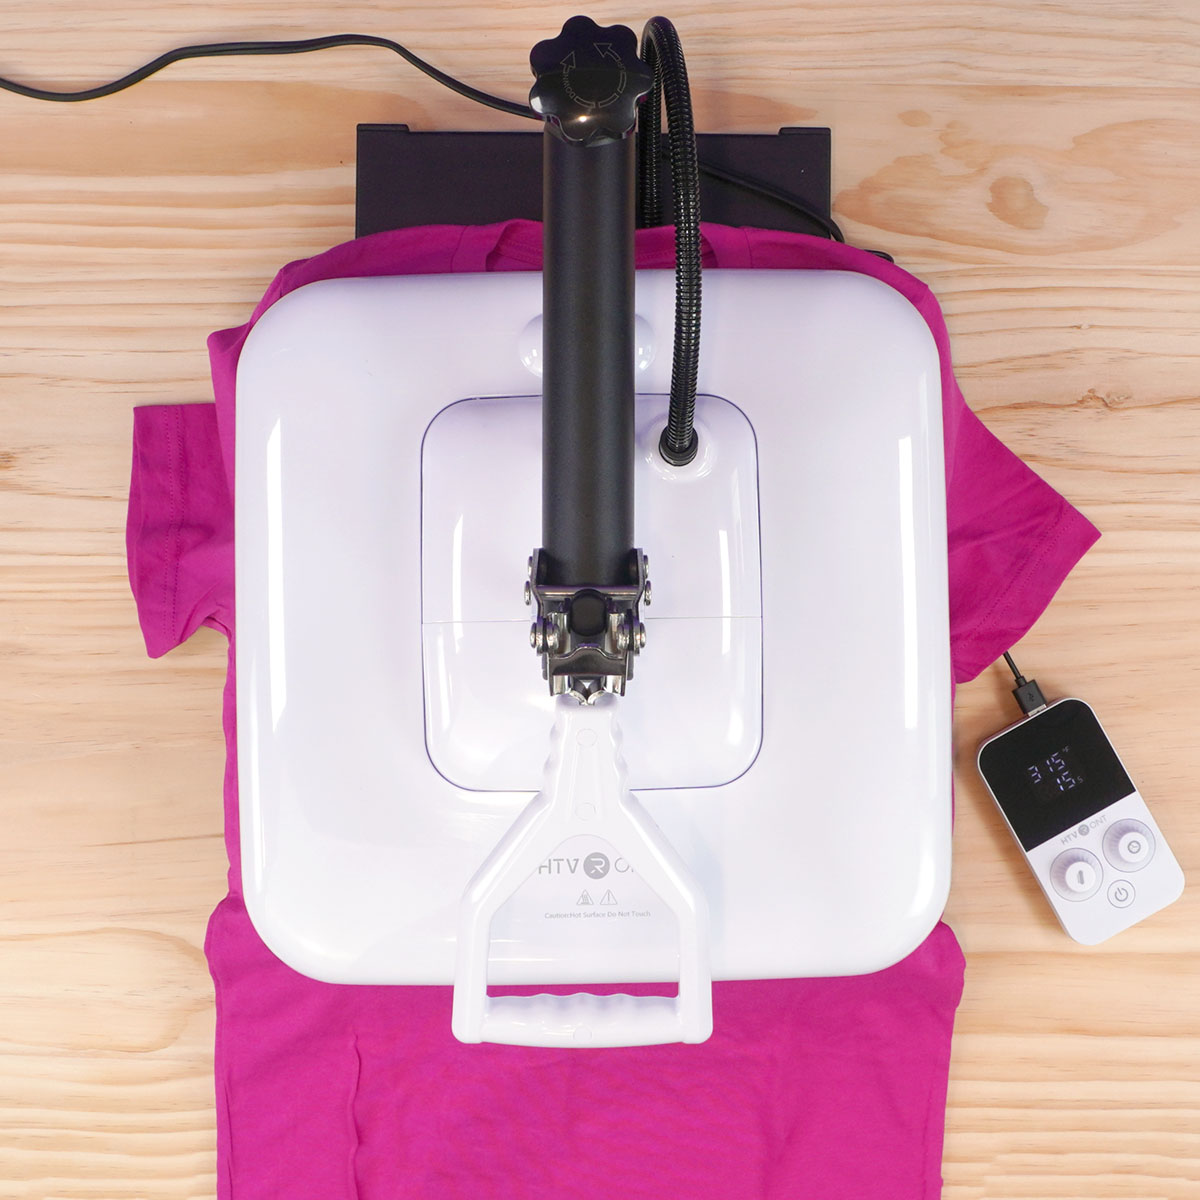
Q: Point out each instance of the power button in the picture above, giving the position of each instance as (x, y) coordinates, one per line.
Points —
(1121, 894)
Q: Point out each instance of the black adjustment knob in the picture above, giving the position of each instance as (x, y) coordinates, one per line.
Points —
(589, 81)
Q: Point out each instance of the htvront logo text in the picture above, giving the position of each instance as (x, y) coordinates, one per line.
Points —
(1082, 830)
(595, 865)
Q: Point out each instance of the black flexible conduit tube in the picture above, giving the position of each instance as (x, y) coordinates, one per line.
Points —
(649, 137)
(663, 54)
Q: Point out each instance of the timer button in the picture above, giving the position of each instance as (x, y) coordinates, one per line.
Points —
(1076, 874)
(1128, 845)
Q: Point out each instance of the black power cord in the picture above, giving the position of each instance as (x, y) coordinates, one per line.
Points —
(301, 46)
(304, 46)
(748, 183)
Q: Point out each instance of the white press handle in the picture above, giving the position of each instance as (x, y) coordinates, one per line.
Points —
(584, 791)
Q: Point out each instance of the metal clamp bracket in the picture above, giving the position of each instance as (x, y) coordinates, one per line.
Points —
(587, 636)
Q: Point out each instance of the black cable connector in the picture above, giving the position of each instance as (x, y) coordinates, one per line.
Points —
(1028, 694)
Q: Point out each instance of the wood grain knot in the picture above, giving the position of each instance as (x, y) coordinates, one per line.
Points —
(1113, 401)
(1014, 203)
(1049, 191)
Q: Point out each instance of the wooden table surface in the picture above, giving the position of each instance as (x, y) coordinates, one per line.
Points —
(1036, 163)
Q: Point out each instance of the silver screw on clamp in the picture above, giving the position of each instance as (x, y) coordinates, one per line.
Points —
(543, 636)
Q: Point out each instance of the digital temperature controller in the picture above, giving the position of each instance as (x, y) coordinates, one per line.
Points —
(1086, 832)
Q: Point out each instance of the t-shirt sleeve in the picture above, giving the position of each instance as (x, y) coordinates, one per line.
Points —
(1012, 541)
(179, 531)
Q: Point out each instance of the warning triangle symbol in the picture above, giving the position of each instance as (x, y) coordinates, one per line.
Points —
(608, 898)
(583, 900)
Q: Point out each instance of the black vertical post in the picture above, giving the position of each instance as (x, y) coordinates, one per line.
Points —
(588, 360)
(588, 83)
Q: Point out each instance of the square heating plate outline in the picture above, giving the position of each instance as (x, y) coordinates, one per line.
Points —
(788, 725)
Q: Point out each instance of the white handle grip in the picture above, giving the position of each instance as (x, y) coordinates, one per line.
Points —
(584, 792)
(585, 1019)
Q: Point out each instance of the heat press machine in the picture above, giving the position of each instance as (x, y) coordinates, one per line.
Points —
(739, 771)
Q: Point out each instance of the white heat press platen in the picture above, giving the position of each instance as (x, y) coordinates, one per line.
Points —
(788, 726)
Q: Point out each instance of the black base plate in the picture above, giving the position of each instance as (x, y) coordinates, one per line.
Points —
(406, 178)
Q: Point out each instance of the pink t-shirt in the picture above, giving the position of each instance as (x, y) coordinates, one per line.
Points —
(809, 1088)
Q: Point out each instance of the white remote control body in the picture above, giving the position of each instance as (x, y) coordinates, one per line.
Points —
(1086, 832)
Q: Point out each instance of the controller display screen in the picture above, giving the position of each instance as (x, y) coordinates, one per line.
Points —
(1053, 772)
(1055, 775)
